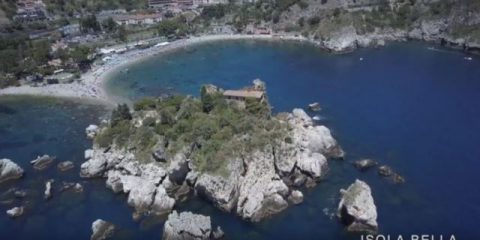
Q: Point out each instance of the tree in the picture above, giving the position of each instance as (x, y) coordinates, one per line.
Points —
(80, 56)
(207, 100)
(121, 113)
(109, 25)
(90, 24)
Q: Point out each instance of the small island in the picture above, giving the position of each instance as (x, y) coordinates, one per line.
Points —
(226, 146)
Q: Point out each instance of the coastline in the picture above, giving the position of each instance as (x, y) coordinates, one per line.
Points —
(92, 84)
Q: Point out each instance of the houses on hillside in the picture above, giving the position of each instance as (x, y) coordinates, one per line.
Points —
(30, 11)
(137, 19)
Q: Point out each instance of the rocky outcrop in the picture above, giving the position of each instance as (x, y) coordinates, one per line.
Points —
(187, 225)
(255, 185)
(386, 171)
(9, 170)
(295, 197)
(15, 212)
(91, 131)
(262, 193)
(65, 166)
(357, 209)
(102, 230)
(364, 164)
(42, 162)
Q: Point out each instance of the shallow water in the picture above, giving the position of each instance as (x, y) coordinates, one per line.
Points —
(403, 105)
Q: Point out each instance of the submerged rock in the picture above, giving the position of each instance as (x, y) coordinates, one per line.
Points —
(42, 162)
(102, 230)
(15, 212)
(187, 225)
(364, 164)
(65, 166)
(9, 170)
(218, 233)
(385, 171)
(357, 209)
(314, 107)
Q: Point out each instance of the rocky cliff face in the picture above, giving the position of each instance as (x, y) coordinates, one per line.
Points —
(341, 26)
(256, 186)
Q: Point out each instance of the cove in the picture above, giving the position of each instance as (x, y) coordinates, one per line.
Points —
(404, 105)
(408, 105)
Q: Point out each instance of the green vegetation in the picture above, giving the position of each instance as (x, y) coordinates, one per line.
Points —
(216, 130)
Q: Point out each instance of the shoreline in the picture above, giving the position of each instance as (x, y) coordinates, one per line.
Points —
(92, 84)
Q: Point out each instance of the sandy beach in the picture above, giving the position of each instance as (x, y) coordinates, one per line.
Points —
(91, 85)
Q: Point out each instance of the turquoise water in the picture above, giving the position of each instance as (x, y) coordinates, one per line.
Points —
(404, 105)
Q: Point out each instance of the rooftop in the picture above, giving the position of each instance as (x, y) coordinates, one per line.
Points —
(244, 93)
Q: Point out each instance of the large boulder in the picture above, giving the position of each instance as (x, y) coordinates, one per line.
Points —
(262, 192)
(9, 170)
(102, 230)
(222, 191)
(357, 209)
(187, 225)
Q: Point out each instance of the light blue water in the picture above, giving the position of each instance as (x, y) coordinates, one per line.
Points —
(403, 105)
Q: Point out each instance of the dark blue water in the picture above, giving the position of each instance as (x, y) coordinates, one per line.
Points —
(403, 105)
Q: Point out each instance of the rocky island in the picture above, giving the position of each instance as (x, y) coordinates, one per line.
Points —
(226, 147)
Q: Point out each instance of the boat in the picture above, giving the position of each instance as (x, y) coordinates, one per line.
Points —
(468, 58)
(317, 118)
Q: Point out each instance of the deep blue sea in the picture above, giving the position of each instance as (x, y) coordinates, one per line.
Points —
(405, 105)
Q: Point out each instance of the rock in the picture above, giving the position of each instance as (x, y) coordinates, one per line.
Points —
(78, 187)
(357, 209)
(15, 212)
(314, 107)
(159, 155)
(48, 189)
(314, 165)
(296, 197)
(9, 170)
(262, 193)
(397, 179)
(102, 230)
(162, 203)
(187, 225)
(94, 167)
(20, 193)
(88, 154)
(385, 171)
(92, 131)
(218, 233)
(342, 40)
(222, 191)
(66, 186)
(178, 169)
(191, 178)
(65, 166)
(364, 164)
(42, 162)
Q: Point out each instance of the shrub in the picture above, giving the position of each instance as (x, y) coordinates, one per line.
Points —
(122, 112)
(145, 104)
